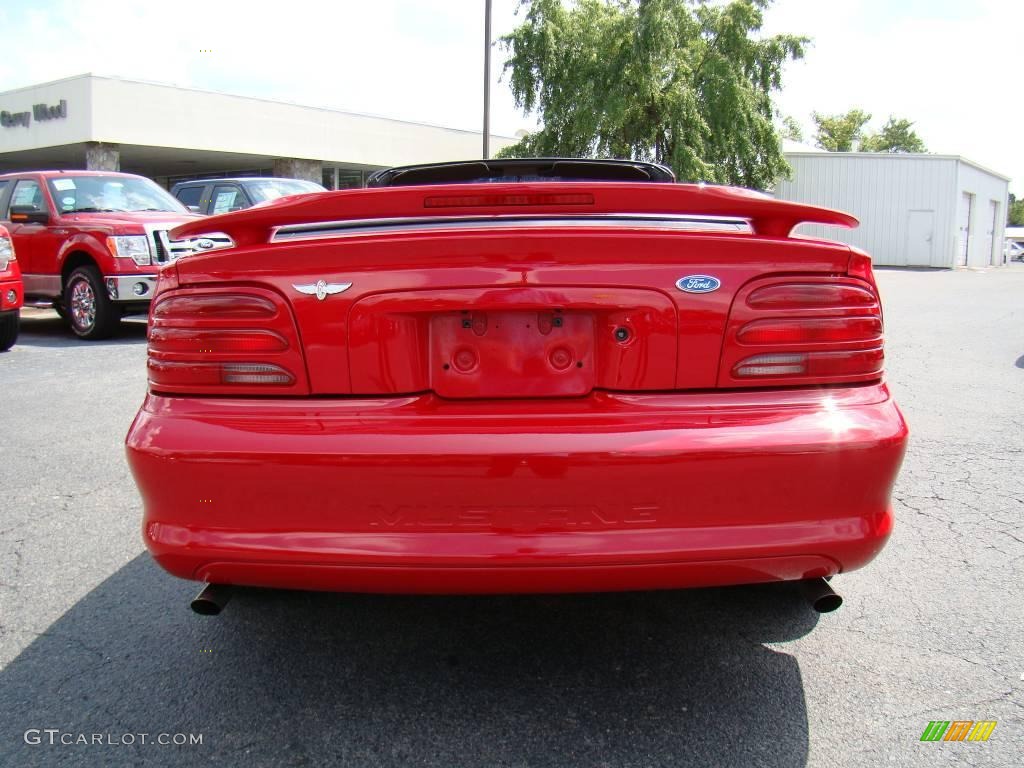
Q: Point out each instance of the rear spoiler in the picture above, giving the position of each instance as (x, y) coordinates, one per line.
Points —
(766, 215)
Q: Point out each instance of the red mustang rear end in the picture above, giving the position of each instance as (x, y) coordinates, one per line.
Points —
(516, 387)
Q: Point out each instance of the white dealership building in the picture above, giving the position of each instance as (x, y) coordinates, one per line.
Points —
(916, 210)
(170, 134)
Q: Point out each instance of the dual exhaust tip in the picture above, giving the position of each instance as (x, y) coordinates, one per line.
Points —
(819, 595)
(817, 592)
(212, 599)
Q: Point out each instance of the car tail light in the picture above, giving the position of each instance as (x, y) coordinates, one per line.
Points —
(792, 331)
(801, 330)
(811, 364)
(810, 296)
(224, 341)
(224, 306)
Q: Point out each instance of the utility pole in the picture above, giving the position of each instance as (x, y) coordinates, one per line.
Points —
(487, 79)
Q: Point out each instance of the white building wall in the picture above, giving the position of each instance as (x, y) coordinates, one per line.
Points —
(882, 191)
(909, 206)
(128, 112)
(73, 129)
(988, 213)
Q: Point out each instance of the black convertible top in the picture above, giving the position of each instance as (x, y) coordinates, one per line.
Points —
(521, 169)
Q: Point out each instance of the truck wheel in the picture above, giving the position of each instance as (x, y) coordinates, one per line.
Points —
(9, 323)
(91, 313)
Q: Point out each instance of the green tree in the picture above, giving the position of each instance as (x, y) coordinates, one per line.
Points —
(791, 129)
(686, 83)
(1015, 212)
(896, 136)
(840, 133)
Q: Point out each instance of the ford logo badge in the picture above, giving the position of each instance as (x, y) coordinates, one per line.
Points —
(205, 243)
(698, 284)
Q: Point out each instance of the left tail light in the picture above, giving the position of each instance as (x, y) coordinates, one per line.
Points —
(224, 341)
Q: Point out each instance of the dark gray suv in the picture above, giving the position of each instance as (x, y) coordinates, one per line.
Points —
(210, 196)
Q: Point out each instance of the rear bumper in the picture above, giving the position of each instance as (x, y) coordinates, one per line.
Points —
(607, 492)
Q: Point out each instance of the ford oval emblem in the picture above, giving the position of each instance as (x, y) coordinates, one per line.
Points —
(698, 284)
(205, 243)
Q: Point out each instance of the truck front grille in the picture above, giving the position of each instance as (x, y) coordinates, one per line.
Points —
(159, 251)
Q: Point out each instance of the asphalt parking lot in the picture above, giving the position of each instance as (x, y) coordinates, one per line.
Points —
(95, 639)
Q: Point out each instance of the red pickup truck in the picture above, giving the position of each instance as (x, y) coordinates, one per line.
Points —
(89, 242)
(11, 292)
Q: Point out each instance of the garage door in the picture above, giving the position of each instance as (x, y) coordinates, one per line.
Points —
(964, 246)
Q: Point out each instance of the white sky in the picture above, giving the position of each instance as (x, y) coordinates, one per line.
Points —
(949, 65)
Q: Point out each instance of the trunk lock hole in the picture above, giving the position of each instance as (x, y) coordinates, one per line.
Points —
(622, 334)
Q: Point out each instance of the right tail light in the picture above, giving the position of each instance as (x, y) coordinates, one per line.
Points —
(799, 331)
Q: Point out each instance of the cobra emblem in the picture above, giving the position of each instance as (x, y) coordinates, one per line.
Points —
(321, 289)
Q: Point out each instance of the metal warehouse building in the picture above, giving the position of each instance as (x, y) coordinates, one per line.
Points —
(915, 210)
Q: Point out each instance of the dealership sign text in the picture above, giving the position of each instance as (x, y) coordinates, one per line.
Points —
(41, 112)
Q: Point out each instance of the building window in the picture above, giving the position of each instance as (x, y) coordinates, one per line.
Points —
(343, 178)
(349, 179)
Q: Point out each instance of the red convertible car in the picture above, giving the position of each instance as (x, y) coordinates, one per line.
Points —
(517, 376)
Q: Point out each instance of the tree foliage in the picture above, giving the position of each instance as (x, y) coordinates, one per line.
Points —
(847, 133)
(896, 136)
(791, 129)
(1015, 212)
(840, 133)
(686, 83)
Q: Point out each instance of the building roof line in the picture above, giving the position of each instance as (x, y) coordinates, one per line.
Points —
(903, 156)
(136, 81)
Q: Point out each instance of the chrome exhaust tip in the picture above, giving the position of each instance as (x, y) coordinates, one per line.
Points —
(212, 599)
(820, 595)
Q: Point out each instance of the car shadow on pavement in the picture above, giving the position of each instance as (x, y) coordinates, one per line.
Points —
(294, 678)
(46, 329)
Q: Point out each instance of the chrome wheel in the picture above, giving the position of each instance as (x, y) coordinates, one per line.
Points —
(83, 305)
(90, 313)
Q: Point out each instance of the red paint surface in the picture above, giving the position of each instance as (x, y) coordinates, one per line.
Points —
(665, 484)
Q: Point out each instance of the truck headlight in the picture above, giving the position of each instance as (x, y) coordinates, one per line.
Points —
(134, 247)
(6, 250)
